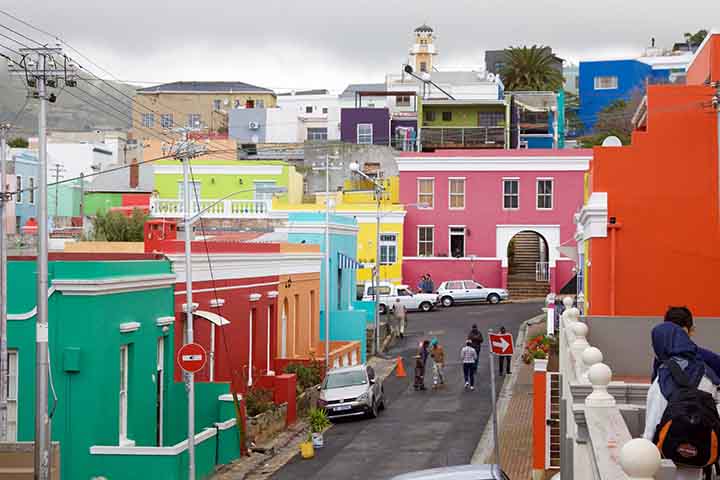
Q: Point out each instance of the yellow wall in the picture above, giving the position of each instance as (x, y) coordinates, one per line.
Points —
(366, 251)
(295, 186)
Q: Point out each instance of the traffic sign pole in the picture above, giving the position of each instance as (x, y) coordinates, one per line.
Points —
(494, 407)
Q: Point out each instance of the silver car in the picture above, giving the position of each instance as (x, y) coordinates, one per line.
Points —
(351, 391)
(460, 472)
(465, 291)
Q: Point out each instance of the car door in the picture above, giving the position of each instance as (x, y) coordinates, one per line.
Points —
(407, 299)
(473, 291)
(456, 290)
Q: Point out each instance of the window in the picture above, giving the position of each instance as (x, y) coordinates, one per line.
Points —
(264, 190)
(195, 190)
(429, 116)
(31, 190)
(166, 120)
(148, 120)
(447, 116)
(259, 103)
(250, 103)
(325, 110)
(544, 194)
(490, 119)
(456, 188)
(388, 248)
(457, 242)
(423, 66)
(316, 134)
(426, 192)
(123, 413)
(404, 292)
(471, 285)
(403, 101)
(425, 241)
(382, 290)
(511, 194)
(454, 286)
(364, 134)
(339, 289)
(217, 104)
(308, 109)
(18, 189)
(11, 385)
(193, 120)
(606, 83)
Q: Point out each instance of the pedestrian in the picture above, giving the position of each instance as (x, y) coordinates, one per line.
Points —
(504, 359)
(393, 319)
(401, 314)
(476, 340)
(419, 383)
(681, 382)
(468, 356)
(429, 285)
(422, 284)
(424, 353)
(438, 355)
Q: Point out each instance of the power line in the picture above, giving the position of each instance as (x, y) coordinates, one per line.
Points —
(22, 35)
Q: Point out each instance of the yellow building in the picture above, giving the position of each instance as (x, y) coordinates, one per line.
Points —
(200, 105)
(358, 200)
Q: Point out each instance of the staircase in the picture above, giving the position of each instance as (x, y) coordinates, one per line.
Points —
(522, 282)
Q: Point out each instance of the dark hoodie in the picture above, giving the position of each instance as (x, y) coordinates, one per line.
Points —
(476, 338)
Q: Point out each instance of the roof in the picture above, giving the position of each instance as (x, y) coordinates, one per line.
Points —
(494, 153)
(424, 28)
(351, 89)
(316, 91)
(205, 87)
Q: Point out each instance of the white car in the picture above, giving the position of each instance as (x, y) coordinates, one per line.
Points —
(389, 293)
(465, 291)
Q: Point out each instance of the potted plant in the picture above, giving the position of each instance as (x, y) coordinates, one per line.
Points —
(318, 423)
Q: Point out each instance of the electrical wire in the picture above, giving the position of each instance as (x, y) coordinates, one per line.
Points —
(22, 35)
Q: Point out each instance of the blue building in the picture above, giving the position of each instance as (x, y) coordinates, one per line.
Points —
(603, 82)
(346, 324)
(24, 164)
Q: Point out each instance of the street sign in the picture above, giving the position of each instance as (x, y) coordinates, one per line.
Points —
(191, 357)
(501, 343)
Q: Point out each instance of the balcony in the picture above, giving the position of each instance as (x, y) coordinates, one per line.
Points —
(173, 208)
(462, 137)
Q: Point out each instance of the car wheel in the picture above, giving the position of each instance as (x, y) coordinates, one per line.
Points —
(447, 301)
(383, 309)
(425, 306)
(493, 298)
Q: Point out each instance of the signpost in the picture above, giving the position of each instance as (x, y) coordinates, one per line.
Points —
(501, 344)
(191, 357)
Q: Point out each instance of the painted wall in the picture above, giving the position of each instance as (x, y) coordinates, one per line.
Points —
(705, 66)
(462, 115)
(10, 221)
(378, 117)
(299, 311)
(68, 199)
(25, 163)
(101, 202)
(657, 249)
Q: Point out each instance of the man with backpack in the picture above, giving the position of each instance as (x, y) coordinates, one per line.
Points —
(681, 412)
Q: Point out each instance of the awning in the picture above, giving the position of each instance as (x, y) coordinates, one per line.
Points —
(212, 317)
(348, 263)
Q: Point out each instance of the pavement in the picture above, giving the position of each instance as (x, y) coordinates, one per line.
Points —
(417, 430)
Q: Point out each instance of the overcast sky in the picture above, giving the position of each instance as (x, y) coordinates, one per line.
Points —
(285, 44)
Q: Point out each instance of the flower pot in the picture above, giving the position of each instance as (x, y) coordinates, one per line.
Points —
(307, 450)
(317, 439)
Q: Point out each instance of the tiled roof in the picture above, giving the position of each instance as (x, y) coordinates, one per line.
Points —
(227, 87)
(424, 28)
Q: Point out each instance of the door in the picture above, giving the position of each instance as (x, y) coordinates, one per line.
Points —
(159, 386)
(406, 299)
(456, 291)
(474, 292)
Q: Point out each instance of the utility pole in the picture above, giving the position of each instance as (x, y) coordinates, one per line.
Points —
(4, 128)
(41, 70)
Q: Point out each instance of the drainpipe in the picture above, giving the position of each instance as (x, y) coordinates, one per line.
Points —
(613, 228)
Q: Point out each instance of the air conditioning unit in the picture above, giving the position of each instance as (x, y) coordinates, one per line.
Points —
(253, 125)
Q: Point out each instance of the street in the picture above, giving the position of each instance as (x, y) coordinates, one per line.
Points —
(418, 429)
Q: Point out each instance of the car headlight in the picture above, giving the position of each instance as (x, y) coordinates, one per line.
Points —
(363, 398)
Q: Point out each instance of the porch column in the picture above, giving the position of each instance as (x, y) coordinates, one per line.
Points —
(539, 416)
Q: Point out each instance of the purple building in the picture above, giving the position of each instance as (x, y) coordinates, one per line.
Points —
(394, 124)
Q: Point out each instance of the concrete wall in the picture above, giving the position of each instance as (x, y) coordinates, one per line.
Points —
(239, 124)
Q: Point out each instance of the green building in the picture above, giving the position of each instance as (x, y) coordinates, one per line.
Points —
(119, 413)
(446, 123)
(64, 199)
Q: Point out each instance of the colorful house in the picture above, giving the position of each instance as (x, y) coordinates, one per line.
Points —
(658, 235)
(120, 190)
(119, 413)
(494, 216)
(25, 165)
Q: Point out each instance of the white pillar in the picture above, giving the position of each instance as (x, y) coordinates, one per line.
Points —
(590, 357)
(600, 376)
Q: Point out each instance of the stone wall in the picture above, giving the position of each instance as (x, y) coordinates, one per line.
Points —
(266, 425)
(307, 400)
(16, 461)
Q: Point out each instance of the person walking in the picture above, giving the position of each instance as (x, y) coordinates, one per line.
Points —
(438, 355)
(476, 340)
(400, 313)
(504, 360)
(424, 353)
(469, 356)
(393, 319)
(429, 285)
(422, 284)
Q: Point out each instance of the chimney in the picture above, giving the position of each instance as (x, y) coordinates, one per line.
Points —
(134, 174)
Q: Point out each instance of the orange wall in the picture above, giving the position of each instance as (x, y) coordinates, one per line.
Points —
(303, 322)
(663, 190)
(706, 65)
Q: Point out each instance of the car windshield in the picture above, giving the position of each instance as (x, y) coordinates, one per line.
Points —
(345, 379)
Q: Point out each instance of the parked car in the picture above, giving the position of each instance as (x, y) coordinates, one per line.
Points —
(459, 472)
(351, 391)
(389, 293)
(464, 291)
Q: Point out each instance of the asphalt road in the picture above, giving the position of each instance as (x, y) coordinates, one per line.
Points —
(423, 429)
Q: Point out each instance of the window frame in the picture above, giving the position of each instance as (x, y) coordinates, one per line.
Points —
(364, 135)
(315, 132)
(447, 116)
(400, 101)
(431, 204)
(429, 115)
(31, 191)
(551, 194)
(451, 194)
(123, 395)
(18, 189)
(194, 116)
(517, 195)
(325, 110)
(425, 242)
(147, 120)
(423, 67)
(166, 120)
(599, 78)
(308, 109)
(388, 246)
(451, 235)
(217, 104)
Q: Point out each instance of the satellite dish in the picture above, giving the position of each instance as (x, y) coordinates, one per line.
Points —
(612, 141)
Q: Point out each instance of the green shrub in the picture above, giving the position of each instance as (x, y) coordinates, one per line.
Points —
(318, 420)
(258, 400)
(307, 375)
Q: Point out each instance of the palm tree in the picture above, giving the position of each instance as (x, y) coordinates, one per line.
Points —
(531, 69)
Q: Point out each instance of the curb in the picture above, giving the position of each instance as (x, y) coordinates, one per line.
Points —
(485, 446)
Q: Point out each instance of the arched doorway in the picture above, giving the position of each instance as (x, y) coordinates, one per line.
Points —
(528, 265)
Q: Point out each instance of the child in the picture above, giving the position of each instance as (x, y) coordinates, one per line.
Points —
(419, 373)
(438, 355)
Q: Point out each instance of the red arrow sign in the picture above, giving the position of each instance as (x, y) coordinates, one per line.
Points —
(191, 357)
(501, 343)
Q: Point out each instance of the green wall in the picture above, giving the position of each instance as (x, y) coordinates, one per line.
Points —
(101, 202)
(462, 115)
(68, 199)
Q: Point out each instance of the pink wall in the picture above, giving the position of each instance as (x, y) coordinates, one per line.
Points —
(484, 272)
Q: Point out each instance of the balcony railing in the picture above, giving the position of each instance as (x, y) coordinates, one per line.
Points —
(173, 208)
(462, 137)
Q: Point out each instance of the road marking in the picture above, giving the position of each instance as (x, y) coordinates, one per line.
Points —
(436, 332)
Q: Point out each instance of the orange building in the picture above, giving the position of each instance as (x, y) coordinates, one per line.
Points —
(649, 230)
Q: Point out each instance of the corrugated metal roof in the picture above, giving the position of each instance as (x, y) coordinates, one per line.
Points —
(351, 89)
(226, 87)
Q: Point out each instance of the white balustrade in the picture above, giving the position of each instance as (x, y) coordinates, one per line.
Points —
(600, 377)
(174, 208)
(640, 459)
(590, 356)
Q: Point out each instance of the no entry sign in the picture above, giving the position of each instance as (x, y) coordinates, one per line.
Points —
(191, 357)
(501, 343)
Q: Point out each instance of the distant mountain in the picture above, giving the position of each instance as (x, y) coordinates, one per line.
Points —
(68, 112)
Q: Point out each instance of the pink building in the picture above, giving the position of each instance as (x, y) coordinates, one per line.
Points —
(494, 216)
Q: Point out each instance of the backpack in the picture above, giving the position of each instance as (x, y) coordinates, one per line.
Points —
(689, 430)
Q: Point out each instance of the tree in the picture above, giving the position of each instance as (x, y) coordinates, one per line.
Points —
(614, 120)
(18, 142)
(695, 39)
(116, 227)
(531, 69)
